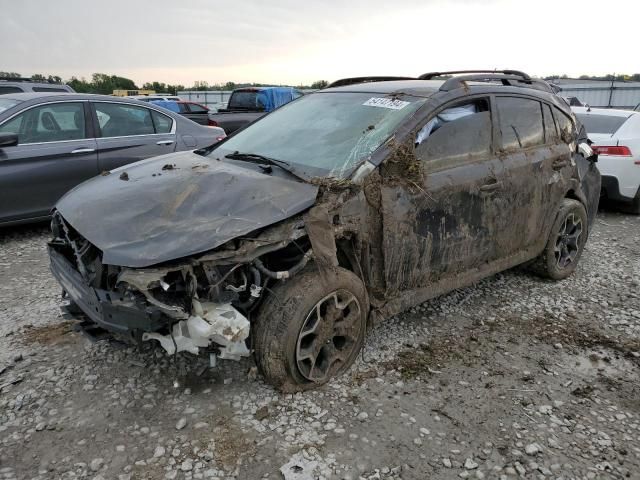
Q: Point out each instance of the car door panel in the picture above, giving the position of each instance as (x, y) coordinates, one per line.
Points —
(116, 152)
(121, 148)
(34, 177)
(35, 174)
(445, 227)
(448, 219)
(534, 183)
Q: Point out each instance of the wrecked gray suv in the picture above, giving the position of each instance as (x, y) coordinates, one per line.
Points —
(349, 205)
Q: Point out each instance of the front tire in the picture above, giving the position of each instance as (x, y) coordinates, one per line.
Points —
(310, 328)
(566, 242)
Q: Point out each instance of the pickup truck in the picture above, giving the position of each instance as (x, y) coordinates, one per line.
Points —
(248, 104)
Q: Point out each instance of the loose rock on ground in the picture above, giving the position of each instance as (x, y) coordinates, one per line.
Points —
(515, 377)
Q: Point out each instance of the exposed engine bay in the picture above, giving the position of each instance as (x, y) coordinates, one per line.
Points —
(194, 305)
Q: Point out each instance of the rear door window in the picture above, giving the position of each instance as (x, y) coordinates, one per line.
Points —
(606, 124)
(121, 120)
(48, 123)
(520, 123)
(565, 126)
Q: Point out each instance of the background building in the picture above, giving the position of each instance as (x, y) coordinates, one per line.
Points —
(601, 93)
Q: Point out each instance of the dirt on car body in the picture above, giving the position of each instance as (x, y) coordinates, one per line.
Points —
(396, 192)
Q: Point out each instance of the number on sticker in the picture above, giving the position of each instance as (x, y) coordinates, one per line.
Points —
(386, 103)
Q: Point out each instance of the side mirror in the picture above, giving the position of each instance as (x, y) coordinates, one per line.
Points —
(8, 140)
(587, 152)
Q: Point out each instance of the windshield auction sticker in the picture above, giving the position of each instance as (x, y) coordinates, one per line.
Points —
(386, 103)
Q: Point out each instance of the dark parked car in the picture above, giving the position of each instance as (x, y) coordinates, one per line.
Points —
(372, 198)
(24, 85)
(49, 143)
(248, 104)
(191, 110)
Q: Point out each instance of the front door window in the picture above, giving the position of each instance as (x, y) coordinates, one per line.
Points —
(53, 122)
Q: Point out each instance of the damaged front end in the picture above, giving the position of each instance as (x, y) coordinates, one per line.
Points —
(201, 303)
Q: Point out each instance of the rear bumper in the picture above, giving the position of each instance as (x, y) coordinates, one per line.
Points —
(106, 308)
(611, 189)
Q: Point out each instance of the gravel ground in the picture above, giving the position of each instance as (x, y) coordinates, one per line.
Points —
(515, 377)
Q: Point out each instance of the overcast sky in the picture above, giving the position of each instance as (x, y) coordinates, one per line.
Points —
(294, 42)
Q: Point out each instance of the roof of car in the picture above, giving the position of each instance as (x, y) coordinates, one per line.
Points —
(428, 87)
(27, 96)
(421, 88)
(260, 89)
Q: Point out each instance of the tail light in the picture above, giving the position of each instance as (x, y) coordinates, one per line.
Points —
(612, 151)
(220, 138)
(212, 123)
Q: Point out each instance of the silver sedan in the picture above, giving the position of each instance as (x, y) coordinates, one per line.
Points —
(49, 143)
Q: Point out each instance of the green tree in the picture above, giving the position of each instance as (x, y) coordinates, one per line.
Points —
(319, 84)
(200, 85)
(106, 84)
(155, 86)
(10, 75)
(80, 85)
(174, 89)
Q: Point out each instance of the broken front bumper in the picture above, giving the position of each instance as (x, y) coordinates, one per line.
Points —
(105, 308)
(211, 324)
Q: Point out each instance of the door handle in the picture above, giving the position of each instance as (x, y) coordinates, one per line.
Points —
(491, 187)
(164, 142)
(83, 150)
(559, 164)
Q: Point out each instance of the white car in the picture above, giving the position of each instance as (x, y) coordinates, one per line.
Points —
(616, 139)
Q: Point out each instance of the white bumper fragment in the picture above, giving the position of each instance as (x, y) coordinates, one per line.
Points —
(219, 323)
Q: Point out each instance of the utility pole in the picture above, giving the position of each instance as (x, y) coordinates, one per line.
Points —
(611, 89)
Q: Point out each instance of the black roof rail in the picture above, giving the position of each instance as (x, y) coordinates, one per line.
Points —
(353, 80)
(506, 80)
(512, 78)
(518, 79)
(431, 75)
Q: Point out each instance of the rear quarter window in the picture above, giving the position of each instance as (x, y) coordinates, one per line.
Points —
(550, 128)
(607, 124)
(565, 126)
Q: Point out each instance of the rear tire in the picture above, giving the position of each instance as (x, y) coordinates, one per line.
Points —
(309, 329)
(566, 242)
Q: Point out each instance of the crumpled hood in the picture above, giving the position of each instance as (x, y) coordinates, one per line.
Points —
(159, 215)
